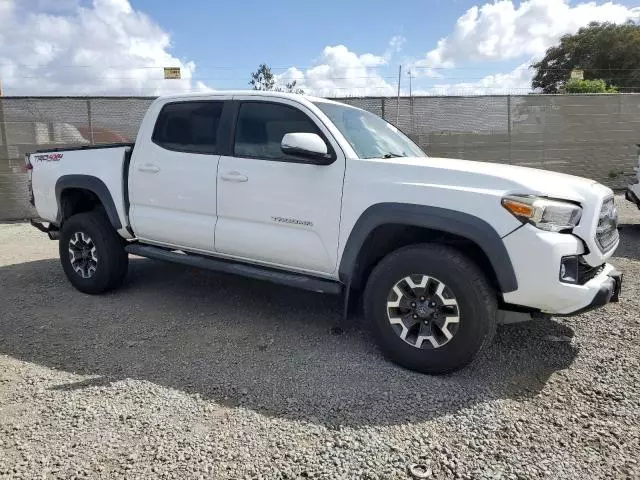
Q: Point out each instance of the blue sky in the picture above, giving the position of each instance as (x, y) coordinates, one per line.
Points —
(285, 33)
(240, 35)
(331, 48)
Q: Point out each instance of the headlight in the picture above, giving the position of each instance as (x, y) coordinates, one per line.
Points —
(546, 214)
(607, 229)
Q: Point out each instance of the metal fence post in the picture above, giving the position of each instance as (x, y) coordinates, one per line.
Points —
(398, 104)
(411, 112)
(509, 126)
(3, 132)
(90, 121)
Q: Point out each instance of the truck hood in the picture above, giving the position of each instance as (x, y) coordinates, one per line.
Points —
(508, 179)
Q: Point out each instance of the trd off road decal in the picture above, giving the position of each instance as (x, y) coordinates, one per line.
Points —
(48, 157)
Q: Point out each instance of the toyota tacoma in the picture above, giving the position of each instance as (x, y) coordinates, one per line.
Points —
(319, 195)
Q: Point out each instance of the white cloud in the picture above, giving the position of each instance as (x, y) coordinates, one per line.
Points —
(498, 31)
(339, 72)
(395, 46)
(518, 81)
(501, 30)
(107, 47)
(104, 48)
(49, 5)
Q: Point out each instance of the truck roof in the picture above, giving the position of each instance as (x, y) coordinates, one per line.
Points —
(256, 93)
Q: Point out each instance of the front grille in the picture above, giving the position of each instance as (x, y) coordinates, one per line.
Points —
(607, 230)
(587, 272)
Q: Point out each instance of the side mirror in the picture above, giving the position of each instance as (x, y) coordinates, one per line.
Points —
(308, 146)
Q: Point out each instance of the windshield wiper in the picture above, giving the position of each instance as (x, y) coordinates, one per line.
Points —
(392, 155)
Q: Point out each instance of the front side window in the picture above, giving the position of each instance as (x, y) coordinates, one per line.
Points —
(262, 125)
(369, 135)
(189, 127)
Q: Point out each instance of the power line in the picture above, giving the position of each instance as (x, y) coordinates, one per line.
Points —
(250, 68)
(109, 77)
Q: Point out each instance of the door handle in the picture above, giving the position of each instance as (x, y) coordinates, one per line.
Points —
(148, 167)
(234, 177)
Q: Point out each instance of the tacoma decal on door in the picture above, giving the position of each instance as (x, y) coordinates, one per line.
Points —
(295, 221)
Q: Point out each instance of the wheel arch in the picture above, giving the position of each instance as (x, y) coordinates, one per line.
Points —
(80, 193)
(384, 227)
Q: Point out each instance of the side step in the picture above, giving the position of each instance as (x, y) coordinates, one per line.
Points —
(260, 273)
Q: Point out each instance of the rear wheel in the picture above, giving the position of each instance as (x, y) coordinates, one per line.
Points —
(431, 308)
(92, 253)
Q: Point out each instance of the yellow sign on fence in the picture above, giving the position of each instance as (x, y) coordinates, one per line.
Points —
(172, 73)
(577, 74)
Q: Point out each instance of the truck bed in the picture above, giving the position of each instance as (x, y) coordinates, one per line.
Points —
(104, 167)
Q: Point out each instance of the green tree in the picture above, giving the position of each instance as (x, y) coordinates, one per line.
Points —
(264, 79)
(588, 86)
(603, 50)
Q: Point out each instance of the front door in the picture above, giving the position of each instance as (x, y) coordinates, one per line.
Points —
(272, 208)
(172, 178)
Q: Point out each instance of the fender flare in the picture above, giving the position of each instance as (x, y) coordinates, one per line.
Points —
(94, 185)
(450, 221)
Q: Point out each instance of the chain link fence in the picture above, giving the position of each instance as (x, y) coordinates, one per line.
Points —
(31, 123)
(589, 135)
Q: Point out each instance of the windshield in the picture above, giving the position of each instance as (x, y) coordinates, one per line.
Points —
(369, 135)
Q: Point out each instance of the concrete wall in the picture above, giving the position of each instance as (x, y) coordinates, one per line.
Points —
(588, 135)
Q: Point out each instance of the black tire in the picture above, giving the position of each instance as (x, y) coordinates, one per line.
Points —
(475, 304)
(111, 260)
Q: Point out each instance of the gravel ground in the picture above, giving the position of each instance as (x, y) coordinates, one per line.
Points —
(184, 373)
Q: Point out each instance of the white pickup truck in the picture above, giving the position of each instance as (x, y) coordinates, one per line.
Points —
(319, 195)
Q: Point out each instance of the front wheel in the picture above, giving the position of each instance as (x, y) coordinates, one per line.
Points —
(431, 308)
(92, 253)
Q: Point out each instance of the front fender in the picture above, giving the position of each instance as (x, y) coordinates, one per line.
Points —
(441, 219)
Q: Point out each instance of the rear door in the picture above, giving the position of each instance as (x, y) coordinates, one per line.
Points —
(172, 179)
(273, 208)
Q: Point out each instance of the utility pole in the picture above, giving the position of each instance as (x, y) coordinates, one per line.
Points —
(410, 92)
(399, 80)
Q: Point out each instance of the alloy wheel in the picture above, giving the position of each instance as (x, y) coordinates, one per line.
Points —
(423, 311)
(83, 255)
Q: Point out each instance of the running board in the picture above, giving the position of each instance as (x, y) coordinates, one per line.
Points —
(260, 273)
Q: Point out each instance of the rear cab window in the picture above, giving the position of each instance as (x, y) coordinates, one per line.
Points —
(189, 126)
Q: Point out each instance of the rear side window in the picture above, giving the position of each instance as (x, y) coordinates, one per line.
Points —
(189, 127)
(262, 125)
